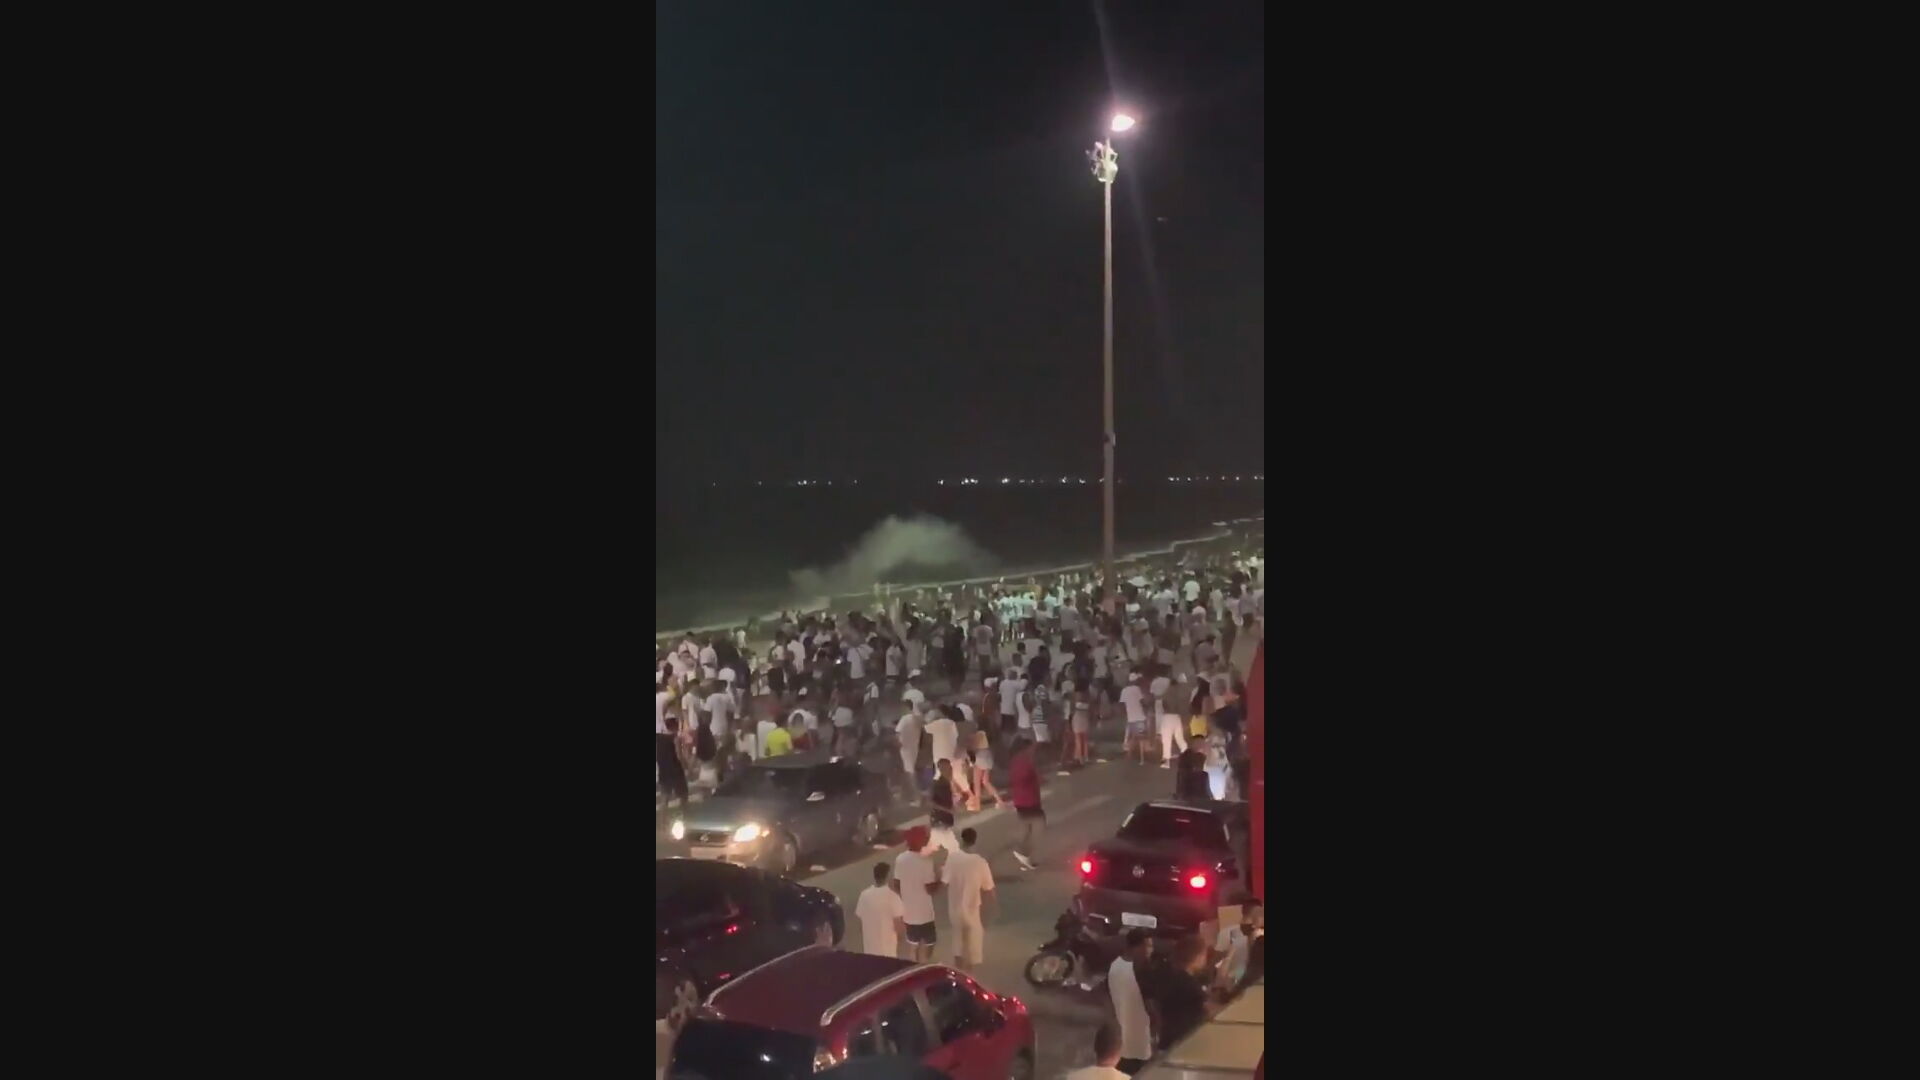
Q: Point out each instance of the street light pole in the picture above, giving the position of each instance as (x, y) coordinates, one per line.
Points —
(1106, 165)
(1106, 532)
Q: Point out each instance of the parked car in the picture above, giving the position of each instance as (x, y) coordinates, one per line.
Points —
(713, 921)
(818, 1008)
(777, 810)
(1172, 866)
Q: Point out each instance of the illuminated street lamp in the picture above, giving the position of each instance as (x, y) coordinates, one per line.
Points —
(1106, 165)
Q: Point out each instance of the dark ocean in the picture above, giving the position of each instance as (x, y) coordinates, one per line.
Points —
(727, 554)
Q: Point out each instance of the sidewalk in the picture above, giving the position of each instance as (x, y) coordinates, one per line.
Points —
(1224, 1048)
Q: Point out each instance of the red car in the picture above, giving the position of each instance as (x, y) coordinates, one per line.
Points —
(817, 1007)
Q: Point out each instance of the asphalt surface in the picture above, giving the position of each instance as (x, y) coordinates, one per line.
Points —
(1081, 808)
(1086, 805)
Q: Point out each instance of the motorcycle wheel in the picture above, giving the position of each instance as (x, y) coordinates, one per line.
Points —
(1050, 967)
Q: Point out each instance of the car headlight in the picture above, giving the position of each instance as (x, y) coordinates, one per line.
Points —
(745, 833)
(679, 830)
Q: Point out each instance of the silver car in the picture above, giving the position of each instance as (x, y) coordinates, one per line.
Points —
(776, 810)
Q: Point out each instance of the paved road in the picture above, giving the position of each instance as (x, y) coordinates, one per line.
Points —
(1081, 808)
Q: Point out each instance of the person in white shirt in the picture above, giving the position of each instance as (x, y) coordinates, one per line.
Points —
(1234, 943)
(1106, 1057)
(916, 878)
(1129, 1004)
(845, 741)
(1010, 688)
(1134, 700)
(969, 886)
(1192, 589)
(882, 915)
(1172, 728)
(796, 657)
(857, 658)
(909, 729)
(682, 665)
(896, 662)
(720, 711)
(945, 736)
(761, 730)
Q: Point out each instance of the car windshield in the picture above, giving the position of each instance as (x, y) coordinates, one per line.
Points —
(1152, 823)
(762, 781)
(720, 1050)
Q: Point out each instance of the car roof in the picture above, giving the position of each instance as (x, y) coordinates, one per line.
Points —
(672, 874)
(793, 992)
(1223, 807)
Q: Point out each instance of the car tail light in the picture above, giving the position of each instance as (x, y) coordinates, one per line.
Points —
(1086, 866)
(1198, 881)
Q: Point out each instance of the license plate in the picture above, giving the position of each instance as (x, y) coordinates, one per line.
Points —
(708, 852)
(1128, 918)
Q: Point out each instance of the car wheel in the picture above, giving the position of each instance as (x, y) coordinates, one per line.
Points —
(868, 830)
(1022, 1067)
(675, 999)
(788, 856)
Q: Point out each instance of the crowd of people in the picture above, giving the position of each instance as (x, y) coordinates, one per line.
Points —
(1155, 1004)
(972, 671)
(936, 688)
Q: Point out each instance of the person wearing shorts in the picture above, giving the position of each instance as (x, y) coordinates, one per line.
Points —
(969, 887)
(1082, 727)
(917, 877)
(1024, 779)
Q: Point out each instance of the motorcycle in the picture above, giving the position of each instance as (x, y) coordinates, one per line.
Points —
(1078, 954)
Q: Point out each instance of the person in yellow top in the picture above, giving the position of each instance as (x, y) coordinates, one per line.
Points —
(778, 742)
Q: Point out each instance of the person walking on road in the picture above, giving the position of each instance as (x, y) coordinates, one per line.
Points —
(983, 771)
(1134, 700)
(916, 878)
(1106, 1057)
(1129, 1004)
(940, 806)
(969, 883)
(909, 729)
(666, 755)
(1024, 779)
(882, 915)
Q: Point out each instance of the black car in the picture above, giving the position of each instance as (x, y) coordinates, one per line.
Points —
(777, 810)
(714, 922)
(1171, 867)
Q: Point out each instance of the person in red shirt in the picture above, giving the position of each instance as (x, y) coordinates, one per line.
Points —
(1024, 783)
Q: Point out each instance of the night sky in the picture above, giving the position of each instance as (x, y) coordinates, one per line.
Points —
(878, 239)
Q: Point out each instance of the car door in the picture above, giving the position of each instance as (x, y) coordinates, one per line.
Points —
(895, 1029)
(826, 820)
(848, 800)
(774, 923)
(711, 934)
(964, 1031)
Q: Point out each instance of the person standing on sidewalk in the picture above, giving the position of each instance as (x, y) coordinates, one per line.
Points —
(969, 886)
(1129, 1004)
(1106, 1057)
(1024, 779)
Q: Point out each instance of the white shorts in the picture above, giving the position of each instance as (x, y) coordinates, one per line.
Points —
(969, 937)
(939, 837)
